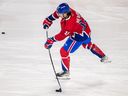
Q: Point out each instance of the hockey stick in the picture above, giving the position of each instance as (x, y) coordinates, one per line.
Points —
(60, 89)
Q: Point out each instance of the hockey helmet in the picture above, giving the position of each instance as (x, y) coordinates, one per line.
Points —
(63, 8)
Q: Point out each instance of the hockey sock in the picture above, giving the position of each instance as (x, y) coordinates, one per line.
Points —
(94, 49)
(65, 59)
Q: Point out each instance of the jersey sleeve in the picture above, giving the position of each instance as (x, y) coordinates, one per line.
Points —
(53, 17)
(62, 35)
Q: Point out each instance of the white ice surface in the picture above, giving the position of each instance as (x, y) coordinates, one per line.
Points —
(25, 68)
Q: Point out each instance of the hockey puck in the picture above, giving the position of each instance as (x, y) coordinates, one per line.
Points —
(59, 90)
(2, 32)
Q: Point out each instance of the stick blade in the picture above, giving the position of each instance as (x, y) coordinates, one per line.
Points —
(59, 90)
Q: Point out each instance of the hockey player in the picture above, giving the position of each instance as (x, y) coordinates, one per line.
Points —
(75, 27)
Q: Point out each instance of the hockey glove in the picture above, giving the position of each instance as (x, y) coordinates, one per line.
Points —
(46, 24)
(49, 42)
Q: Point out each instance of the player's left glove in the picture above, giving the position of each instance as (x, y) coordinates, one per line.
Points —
(49, 42)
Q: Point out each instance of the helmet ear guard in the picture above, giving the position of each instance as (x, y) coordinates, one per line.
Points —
(63, 8)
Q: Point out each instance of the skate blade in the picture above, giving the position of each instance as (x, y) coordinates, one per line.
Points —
(64, 78)
(107, 61)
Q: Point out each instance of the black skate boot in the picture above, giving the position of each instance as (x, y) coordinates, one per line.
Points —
(105, 59)
(63, 74)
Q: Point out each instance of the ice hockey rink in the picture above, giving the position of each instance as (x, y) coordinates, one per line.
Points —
(25, 67)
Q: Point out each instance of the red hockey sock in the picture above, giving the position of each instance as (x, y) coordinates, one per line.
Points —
(94, 49)
(65, 59)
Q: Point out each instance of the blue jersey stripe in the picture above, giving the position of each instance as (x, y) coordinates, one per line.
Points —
(51, 18)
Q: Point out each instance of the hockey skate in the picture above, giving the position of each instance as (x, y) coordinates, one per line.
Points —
(63, 75)
(105, 59)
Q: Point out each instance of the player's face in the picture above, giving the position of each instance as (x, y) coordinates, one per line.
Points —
(63, 15)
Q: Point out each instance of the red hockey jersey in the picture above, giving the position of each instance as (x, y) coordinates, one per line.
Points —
(75, 27)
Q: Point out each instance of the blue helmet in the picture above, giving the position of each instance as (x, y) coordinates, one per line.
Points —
(63, 8)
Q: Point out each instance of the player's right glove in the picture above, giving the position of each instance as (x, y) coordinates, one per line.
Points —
(46, 24)
(49, 42)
